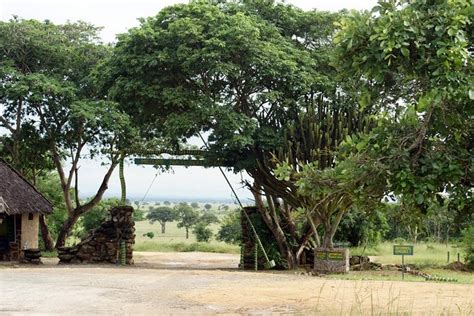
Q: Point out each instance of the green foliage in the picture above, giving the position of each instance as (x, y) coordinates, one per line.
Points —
(208, 218)
(224, 83)
(161, 214)
(149, 235)
(268, 240)
(50, 186)
(202, 232)
(93, 218)
(207, 206)
(414, 64)
(255, 75)
(187, 216)
(48, 89)
(468, 246)
(362, 228)
(138, 215)
(230, 230)
(195, 205)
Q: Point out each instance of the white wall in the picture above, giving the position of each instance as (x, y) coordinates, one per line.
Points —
(29, 231)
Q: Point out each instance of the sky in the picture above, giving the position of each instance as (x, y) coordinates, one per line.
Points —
(117, 16)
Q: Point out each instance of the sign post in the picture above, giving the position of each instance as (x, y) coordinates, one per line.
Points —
(403, 250)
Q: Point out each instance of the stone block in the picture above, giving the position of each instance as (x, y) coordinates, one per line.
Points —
(331, 260)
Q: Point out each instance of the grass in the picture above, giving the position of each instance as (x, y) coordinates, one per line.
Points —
(428, 257)
(49, 254)
(424, 254)
(174, 240)
(462, 277)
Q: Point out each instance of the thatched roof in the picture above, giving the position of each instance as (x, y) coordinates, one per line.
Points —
(18, 195)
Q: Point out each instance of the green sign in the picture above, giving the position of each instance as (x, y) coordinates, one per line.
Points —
(330, 255)
(176, 162)
(321, 255)
(403, 250)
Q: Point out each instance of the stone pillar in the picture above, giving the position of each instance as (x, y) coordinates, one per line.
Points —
(331, 260)
(103, 243)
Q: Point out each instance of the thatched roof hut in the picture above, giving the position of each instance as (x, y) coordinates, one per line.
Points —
(18, 195)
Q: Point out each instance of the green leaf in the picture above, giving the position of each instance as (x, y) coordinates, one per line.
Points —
(405, 51)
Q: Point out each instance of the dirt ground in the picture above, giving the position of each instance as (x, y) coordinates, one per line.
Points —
(204, 283)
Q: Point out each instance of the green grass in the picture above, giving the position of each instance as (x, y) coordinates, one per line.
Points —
(49, 254)
(174, 240)
(428, 257)
(424, 254)
(462, 277)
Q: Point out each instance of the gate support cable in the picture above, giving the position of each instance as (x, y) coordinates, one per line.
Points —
(269, 263)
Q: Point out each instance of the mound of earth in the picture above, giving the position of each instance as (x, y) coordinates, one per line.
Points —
(457, 266)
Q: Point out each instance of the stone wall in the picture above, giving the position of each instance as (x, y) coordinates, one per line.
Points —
(103, 244)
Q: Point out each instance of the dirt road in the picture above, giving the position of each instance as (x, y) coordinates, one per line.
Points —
(177, 283)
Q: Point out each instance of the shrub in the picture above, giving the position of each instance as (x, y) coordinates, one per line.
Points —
(468, 246)
(202, 232)
(230, 231)
(149, 235)
(138, 215)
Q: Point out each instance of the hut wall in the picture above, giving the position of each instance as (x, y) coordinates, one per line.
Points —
(29, 230)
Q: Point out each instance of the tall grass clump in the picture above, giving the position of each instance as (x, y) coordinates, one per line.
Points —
(468, 246)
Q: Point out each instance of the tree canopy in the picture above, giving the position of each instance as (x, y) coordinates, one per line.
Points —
(48, 91)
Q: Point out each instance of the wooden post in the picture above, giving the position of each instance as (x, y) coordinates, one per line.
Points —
(403, 267)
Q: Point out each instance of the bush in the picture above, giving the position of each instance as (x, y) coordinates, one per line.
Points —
(138, 215)
(362, 228)
(93, 218)
(202, 232)
(149, 235)
(230, 232)
(468, 246)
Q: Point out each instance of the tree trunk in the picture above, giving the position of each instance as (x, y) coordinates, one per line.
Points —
(187, 232)
(327, 240)
(163, 227)
(47, 239)
(65, 229)
(330, 228)
(272, 224)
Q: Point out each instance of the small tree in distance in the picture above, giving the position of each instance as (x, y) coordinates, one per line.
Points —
(203, 232)
(230, 231)
(207, 206)
(162, 214)
(195, 205)
(187, 217)
(208, 218)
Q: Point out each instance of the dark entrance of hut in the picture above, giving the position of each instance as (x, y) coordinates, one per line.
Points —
(10, 226)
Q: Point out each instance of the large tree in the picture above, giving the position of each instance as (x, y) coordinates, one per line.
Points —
(257, 76)
(417, 56)
(47, 88)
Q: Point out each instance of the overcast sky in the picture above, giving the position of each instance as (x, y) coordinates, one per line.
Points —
(116, 16)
